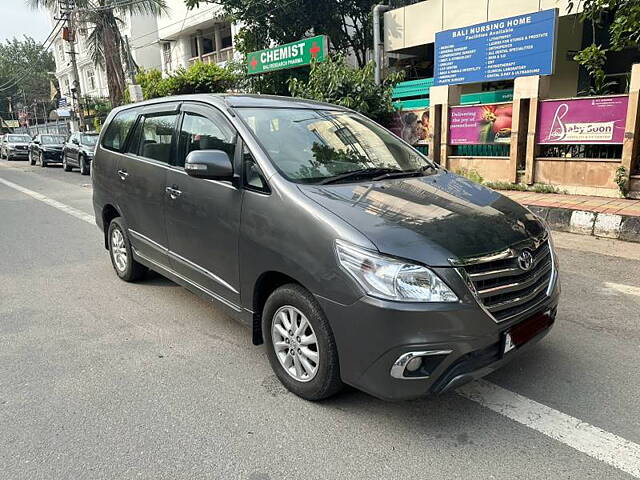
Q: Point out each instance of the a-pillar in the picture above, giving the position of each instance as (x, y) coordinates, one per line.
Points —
(441, 98)
(631, 143)
(527, 93)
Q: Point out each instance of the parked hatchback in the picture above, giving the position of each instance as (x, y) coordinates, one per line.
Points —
(15, 146)
(349, 254)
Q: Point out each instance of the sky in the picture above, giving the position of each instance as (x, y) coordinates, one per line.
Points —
(17, 19)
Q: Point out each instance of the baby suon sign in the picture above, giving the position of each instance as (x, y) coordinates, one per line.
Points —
(582, 120)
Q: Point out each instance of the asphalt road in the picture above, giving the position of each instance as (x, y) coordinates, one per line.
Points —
(103, 379)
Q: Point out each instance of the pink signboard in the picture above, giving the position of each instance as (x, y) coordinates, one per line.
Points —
(480, 124)
(582, 120)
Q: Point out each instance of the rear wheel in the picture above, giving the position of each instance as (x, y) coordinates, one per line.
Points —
(84, 168)
(43, 162)
(122, 259)
(300, 343)
(31, 159)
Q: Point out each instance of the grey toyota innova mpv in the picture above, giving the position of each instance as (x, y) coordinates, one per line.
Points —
(353, 257)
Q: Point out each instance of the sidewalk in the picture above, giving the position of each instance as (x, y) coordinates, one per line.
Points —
(603, 217)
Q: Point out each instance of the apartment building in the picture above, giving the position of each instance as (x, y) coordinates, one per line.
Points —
(187, 36)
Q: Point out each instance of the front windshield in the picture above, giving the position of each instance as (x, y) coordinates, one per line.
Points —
(313, 146)
(18, 138)
(52, 139)
(89, 140)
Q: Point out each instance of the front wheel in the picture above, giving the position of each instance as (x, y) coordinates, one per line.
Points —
(122, 259)
(65, 166)
(300, 344)
(84, 168)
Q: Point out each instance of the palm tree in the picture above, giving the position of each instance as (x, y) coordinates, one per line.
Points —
(105, 41)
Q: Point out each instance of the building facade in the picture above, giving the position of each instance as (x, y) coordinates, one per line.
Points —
(187, 36)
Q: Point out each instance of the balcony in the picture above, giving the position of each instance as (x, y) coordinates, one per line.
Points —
(221, 56)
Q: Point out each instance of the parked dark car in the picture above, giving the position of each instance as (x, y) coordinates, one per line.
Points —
(353, 257)
(79, 151)
(46, 148)
(15, 146)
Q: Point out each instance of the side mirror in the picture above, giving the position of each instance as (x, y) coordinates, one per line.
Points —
(211, 164)
(75, 141)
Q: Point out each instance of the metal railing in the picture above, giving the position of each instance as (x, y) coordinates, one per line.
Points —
(220, 56)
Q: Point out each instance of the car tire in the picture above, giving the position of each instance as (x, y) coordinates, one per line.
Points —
(126, 267)
(65, 166)
(294, 351)
(84, 168)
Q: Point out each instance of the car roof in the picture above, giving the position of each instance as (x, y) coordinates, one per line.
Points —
(237, 100)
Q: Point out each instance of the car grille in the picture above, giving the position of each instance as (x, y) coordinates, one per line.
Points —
(507, 290)
(21, 147)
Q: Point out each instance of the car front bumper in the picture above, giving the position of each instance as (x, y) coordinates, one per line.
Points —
(461, 340)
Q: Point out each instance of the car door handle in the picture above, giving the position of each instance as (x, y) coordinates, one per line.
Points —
(123, 175)
(173, 192)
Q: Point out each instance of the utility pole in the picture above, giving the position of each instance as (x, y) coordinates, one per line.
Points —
(67, 10)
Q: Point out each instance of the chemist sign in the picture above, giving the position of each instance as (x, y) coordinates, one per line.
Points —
(497, 50)
(291, 55)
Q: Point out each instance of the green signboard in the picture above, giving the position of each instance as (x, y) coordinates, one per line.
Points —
(291, 55)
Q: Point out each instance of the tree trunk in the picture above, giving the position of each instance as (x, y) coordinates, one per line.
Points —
(113, 63)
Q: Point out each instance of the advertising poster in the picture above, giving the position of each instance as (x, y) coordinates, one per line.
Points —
(412, 126)
(480, 124)
(582, 120)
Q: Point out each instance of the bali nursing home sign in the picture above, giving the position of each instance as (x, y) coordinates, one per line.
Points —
(290, 55)
(497, 50)
(598, 120)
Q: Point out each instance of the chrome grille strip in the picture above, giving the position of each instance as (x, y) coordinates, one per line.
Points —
(504, 289)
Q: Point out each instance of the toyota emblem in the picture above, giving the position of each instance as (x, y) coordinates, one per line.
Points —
(525, 260)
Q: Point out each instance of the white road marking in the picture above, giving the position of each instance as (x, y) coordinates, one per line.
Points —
(626, 289)
(573, 432)
(51, 202)
(595, 442)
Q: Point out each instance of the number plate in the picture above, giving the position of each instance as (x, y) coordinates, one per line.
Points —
(524, 331)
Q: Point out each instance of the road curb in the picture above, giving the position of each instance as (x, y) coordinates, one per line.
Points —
(606, 225)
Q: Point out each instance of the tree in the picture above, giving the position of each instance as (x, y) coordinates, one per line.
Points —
(23, 75)
(624, 31)
(348, 23)
(198, 78)
(105, 41)
(336, 82)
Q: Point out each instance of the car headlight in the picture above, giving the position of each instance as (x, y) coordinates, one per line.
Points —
(391, 279)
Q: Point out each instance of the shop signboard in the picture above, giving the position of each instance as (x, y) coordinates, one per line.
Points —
(290, 55)
(597, 120)
(412, 125)
(497, 50)
(480, 124)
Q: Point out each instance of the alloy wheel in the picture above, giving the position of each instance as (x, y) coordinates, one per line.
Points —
(295, 343)
(118, 250)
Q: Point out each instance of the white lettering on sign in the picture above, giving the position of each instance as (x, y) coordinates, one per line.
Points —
(282, 53)
(579, 131)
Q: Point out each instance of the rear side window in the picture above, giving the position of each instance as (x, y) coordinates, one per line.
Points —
(153, 137)
(118, 130)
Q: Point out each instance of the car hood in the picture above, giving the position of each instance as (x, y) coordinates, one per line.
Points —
(438, 220)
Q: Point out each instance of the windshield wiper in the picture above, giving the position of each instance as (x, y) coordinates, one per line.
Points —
(408, 173)
(362, 172)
